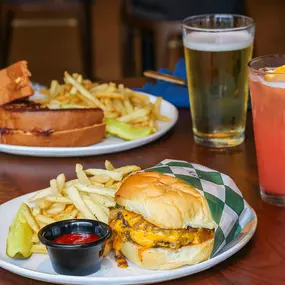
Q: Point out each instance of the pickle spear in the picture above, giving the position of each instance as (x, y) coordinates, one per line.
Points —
(19, 241)
(126, 131)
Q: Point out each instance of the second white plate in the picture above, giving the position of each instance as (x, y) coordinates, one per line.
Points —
(108, 145)
(39, 267)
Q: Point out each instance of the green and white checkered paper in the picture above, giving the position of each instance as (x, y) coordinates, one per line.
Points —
(229, 209)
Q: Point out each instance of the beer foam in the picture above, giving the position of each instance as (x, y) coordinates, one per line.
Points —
(218, 41)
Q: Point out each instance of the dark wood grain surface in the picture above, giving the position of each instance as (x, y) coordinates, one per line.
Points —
(261, 262)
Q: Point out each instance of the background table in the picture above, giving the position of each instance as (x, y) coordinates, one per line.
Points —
(261, 262)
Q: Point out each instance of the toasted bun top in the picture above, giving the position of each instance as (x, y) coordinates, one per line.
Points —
(165, 201)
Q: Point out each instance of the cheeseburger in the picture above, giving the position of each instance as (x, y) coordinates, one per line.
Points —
(161, 222)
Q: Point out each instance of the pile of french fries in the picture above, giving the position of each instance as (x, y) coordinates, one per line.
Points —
(116, 101)
(89, 196)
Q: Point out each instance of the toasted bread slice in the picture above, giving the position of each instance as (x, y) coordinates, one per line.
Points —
(15, 83)
(29, 117)
(71, 138)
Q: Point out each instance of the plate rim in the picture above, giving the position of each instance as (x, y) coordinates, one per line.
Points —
(93, 149)
(145, 279)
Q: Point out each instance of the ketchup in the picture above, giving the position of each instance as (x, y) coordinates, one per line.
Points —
(76, 238)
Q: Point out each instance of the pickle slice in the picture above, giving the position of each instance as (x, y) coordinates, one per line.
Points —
(126, 131)
(19, 241)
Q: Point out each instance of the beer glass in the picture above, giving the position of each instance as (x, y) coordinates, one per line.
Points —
(217, 50)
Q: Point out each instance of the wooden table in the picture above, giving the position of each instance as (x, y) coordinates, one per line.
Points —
(261, 262)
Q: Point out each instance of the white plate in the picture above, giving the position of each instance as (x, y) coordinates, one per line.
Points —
(39, 267)
(109, 145)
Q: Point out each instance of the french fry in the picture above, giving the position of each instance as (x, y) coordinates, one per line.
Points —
(109, 165)
(55, 208)
(112, 115)
(134, 115)
(53, 187)
(66, 216)
(36, 211)
(151, 123)
(35, 238)
(116, 186)
(43, 203)
(82, 177)
(69, 209)
(141, 120)
(109, 183)
(38, 248)
(100, 87)
(106, 210)
(54, 88)
(137, 97)
(45, 220)
(93, 182)
(111, 87)
(79, 78)
(96, 209)
(156, 110)
(87, 102)
(104, 200)
(163, 118)
(128, 169)
(108, 95)
(128, 105)
(73, 214)
(60, 181)
(73, 91)
(87, 84)
(63, 200)
(109, 105)
(119, 107)
(79, 203)
(41, 225)
(82, 90)
(80, 216)
(30, 219)
(69, 183)
(95, 189)
(41, 194)
(117, 176)
(100, 178)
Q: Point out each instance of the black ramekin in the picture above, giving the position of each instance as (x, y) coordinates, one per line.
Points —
(79, 259)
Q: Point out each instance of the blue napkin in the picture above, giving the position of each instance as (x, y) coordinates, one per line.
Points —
(174, 93)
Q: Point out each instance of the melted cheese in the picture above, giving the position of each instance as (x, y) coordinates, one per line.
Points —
(147, 235)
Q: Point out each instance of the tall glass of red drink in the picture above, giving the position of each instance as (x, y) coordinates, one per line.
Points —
(267, 88)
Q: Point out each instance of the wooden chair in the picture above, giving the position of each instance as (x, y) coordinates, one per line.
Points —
(46, 12)
(166, 37)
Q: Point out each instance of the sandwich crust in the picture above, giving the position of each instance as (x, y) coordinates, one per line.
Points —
(163, 258)
(165, 201)
(15, 82)
(70, 138)
(29, 117)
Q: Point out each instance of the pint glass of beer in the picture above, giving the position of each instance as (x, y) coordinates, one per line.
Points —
(217, 51)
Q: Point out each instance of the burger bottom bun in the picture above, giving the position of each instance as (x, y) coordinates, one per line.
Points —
(162, 258)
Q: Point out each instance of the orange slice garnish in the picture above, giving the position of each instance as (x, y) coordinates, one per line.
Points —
(276, 75)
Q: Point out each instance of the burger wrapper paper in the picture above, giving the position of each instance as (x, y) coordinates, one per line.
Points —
(229, 209)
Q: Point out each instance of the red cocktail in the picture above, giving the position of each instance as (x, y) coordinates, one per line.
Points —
(267, 87)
